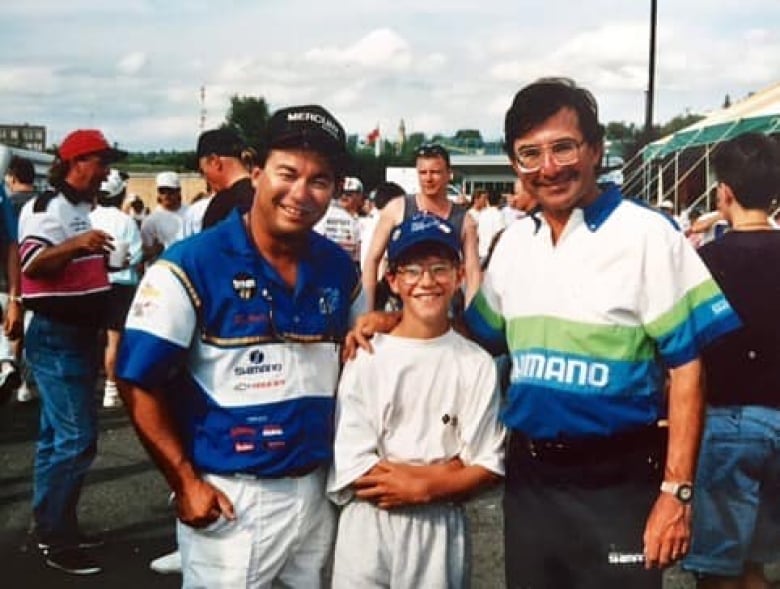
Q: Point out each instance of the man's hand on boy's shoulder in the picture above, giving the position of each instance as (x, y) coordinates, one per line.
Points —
(391, 484)
(364, 329)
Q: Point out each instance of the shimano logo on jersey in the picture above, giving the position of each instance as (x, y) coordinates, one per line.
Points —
(560, 369)
(720, 306)
(257, 365)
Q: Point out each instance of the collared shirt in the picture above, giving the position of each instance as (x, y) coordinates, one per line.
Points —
(249, 364)
(122, 227)
(587, 318)
(76, 294)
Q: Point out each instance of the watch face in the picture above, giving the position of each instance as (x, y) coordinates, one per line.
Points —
(685, 493)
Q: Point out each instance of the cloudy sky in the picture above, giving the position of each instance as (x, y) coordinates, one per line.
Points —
(134, 68)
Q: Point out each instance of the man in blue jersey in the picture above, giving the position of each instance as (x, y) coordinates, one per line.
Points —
(606, 297)
(230, 361)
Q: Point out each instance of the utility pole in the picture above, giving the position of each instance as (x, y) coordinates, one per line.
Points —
(651, 74)
(202, 108)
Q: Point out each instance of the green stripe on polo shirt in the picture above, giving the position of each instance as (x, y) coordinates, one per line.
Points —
(681, 311)
(493, 319)
(607, 342)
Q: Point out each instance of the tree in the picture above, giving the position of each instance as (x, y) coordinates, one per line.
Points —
(248, 115)
(680, 122)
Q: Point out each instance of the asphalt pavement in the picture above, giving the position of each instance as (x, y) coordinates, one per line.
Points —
(125, 500)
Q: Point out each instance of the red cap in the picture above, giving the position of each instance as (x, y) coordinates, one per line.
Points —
(86, 141)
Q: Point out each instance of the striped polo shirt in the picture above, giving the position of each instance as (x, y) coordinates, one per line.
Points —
(593, 321)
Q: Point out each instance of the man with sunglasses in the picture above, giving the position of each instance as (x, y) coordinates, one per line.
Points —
(433, 173)
(65, 283)
(230, 361)
(594, 297)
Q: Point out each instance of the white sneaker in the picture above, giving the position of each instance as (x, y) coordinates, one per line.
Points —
(110, 400)
(167, 564)
(25, 394)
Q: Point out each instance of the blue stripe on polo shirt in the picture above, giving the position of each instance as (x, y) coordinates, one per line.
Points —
(146, 360)
(543, 413)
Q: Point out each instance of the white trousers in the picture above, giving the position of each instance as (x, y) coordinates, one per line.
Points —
(407, 548)
(282, 536)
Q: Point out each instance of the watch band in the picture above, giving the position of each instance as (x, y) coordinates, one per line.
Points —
(683, 491)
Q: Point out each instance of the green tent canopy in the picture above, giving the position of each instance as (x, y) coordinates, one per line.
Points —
(767, 124)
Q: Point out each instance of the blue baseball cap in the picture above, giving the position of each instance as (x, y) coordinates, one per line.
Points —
(422, 228)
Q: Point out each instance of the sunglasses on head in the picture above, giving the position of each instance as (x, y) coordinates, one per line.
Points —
(433, 150)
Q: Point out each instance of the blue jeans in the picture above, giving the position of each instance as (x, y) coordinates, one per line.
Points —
(63, 359)
(736, 503)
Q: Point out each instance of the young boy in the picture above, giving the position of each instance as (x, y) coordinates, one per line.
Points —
(416, 428)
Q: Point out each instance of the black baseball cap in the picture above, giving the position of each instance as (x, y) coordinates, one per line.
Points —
(223, 142)
(309, 126)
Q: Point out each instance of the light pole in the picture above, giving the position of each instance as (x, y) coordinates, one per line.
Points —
(651, 74)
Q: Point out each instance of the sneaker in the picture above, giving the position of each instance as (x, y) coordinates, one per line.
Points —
(167, 564)
(71, 560)
(83, 541)
(110, 401)
(25, 394)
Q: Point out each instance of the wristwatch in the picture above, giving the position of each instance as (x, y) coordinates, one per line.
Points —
(682, 491)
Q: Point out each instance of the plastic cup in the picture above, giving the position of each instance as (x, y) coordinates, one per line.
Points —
(117, 258)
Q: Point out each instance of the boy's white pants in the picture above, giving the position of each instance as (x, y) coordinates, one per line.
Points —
(283, 532)
(418, 546)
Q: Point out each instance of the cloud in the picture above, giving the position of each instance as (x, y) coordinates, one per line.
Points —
(380, 49)
(132, 63)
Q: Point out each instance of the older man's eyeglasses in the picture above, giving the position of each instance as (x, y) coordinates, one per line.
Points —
(411, 274)
(564, 152)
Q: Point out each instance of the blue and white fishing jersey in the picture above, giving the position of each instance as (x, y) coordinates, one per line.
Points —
(248, 365)
(592, 321)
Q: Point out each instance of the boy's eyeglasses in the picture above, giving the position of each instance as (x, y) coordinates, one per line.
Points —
(565, 152)
(413, 273)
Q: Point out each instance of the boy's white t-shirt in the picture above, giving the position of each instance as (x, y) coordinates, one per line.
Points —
(416, 401)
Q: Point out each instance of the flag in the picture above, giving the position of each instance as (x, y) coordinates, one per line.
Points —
(373, 136)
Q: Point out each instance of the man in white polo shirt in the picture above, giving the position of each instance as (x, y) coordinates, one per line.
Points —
(595, 298)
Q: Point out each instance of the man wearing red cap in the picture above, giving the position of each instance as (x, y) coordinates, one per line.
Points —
(64, 281)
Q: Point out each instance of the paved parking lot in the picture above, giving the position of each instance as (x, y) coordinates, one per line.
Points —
(125, 499)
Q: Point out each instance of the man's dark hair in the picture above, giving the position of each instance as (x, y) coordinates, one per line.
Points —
(494, 198)
(750, 165)
(540, 100)
(385, 192)
(22, 169)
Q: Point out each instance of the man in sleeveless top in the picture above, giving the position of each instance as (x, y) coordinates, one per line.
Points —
(433, 173)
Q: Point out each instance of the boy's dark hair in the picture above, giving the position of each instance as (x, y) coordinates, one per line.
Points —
(750, 165)
(423, 250)
(385, 192)
(540, 100)
(494, 198)
(22, 169)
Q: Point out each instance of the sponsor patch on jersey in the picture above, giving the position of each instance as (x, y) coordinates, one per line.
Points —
(244, 285)
(147, 302)
(243, 447)
(272, 430)
(329, 301)
(243, 438)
